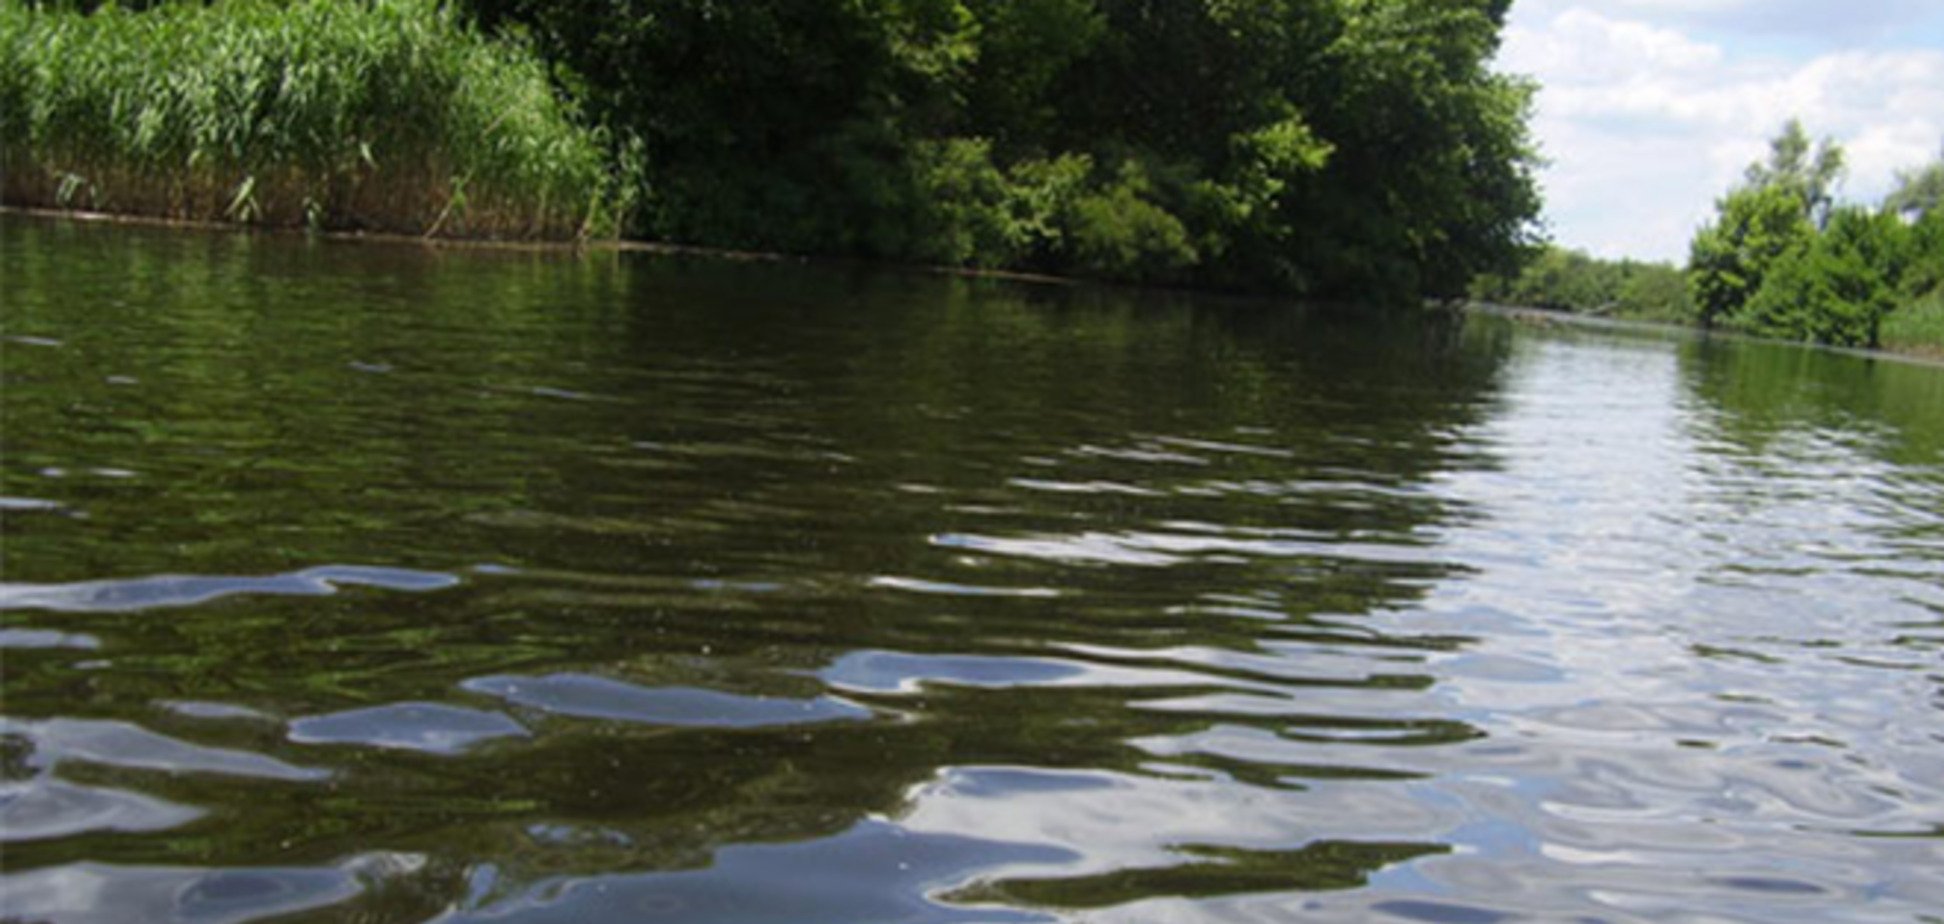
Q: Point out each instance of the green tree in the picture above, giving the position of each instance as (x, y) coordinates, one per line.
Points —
(1728, 260)
(1782, 201)
(1432, 180)
(1656, 291)
(1026, 47)
(1341, 147)
(1835, 287)
(1567, 280)
(1571, 280)
(1918, 323)
(1810, 172)
(1923, 273)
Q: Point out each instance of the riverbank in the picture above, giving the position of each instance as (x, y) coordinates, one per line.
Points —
(391, 116)
(983, 135)
(564, 246)
(1921, 353)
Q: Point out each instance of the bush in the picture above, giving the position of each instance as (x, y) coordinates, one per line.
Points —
(1655, 292)
(966, 218)
(1119, 233)
(1925, 272)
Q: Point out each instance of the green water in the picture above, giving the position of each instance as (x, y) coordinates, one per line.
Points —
(379, 583)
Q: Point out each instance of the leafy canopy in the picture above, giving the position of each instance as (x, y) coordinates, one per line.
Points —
(1728, 260)
(1361, 148)
(1835, 287)
(1810, 173)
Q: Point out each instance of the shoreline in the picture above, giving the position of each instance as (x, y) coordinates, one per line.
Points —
(655, 248)
(1524, 314)
(1468, 306)
(555, 247)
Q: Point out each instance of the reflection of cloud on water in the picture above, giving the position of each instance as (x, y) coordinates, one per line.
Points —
(189, 590)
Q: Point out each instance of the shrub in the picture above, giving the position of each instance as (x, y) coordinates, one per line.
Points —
(1118, 232)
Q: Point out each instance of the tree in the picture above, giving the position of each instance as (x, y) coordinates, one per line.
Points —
(1835, 287)
(1656, 291)
(1924, 273)
(1570, 280)
(1790, 166)
(1354, 148)
(1432, 178)
(1728, 260)
(1782, 202)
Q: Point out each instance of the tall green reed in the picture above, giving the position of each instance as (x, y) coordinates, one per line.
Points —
(383, 115)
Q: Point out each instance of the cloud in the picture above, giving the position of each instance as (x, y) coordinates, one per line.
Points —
(1816, 21)
(1645, 123)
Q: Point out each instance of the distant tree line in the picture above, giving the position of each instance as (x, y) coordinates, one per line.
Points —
(1780, 258)
(1571, 280)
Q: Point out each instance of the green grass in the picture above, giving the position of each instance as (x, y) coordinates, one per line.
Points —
(382, 115)
(1916, 327)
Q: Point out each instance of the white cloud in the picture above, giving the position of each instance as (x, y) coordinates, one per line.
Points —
(1816, 21)
(1645, 123)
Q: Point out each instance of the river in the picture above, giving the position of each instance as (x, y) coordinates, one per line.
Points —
(387, 583)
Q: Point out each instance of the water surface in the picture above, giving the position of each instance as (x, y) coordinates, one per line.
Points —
(411, 585)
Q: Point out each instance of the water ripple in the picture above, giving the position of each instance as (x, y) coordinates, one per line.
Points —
(860, 597)
(101, 892)
(123, 744)
(601, 698)
(47, 808)
(171, 590)
(430, 727)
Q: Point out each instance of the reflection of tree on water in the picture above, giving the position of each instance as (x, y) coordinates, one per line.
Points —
(1798, 439)
(1764, 392)
(1147, 513)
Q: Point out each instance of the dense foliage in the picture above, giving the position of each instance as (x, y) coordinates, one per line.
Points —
(1781, 259)
(1569, 280)
(391, 115)
(1834, 287)
(1917, 322)
(1345, 147)
(1359, 148)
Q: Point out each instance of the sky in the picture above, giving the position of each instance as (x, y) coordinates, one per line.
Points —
(1650, 109)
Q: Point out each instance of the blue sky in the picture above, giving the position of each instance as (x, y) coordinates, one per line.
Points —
(1651, 108)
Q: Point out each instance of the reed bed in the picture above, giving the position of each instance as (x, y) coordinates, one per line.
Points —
(380, 115)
